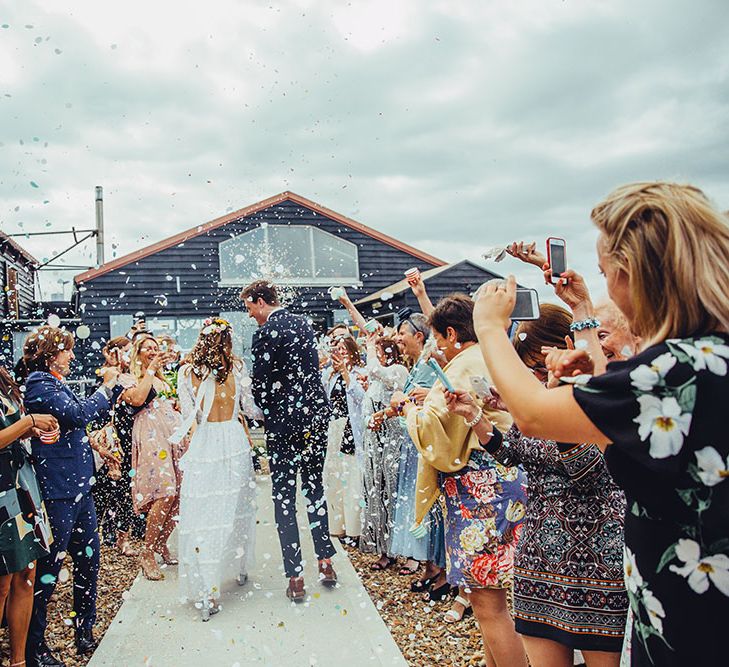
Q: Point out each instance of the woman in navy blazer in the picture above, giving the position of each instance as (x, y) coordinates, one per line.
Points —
(65, 471)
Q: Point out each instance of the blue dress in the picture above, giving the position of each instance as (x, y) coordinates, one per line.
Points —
(432, 546)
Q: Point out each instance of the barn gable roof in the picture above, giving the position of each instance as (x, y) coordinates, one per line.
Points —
(8, 242)
(198, 230)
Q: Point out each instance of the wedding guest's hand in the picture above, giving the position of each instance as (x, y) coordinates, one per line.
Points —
(495, 402)
(377, 420)
(574, 293)
(109, 375)
(461, 403)
(44, 422)
(417, 285)
(364, 381)
(397, 399)
(494, 303)
(418, 394)
(344, 298)
(568, 363)
(527, 253)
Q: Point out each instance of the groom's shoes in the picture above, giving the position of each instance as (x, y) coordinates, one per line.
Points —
(296, 591)
(327, 575)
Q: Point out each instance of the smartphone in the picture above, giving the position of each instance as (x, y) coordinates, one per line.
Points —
(115, 357)
(441, 375)
(481, 388)
(557, 257)
(526, 306)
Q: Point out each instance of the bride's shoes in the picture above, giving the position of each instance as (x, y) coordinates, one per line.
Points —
(242, 579)
(167, 557)
(208, 609)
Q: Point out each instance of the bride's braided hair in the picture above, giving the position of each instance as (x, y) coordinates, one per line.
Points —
(213, 351)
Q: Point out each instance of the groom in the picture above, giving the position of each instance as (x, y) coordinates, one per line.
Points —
(287, 387)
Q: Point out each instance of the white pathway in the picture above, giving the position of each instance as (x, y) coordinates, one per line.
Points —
(257, 625)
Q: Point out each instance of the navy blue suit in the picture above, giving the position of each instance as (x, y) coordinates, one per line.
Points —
(287, 386)
(65, 470)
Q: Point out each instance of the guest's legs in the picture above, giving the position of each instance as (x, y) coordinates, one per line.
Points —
(156, 518)
(18, 611)
(167, 527)
(547, 653)
(601, 658)
(497, 627)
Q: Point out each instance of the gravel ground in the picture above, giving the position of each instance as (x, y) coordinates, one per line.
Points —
(418, 628)
(116, 576)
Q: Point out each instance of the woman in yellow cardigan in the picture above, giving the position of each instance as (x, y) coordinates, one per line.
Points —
(484, 500)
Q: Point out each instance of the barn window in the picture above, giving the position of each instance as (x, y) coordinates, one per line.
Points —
(290, 255)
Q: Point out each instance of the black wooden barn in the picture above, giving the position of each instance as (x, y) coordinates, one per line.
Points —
(302, 246)
(18, 274)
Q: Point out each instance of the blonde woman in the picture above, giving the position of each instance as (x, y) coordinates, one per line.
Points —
(664, 250)
(156, 472)
(218, 494)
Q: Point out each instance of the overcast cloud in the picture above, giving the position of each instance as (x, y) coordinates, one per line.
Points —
(453, 126)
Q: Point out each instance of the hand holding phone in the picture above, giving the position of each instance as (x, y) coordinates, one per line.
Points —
(526, 306)
(440, 374)
(481, 388)
(557, 257)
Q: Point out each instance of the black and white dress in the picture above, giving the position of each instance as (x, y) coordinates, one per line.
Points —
(664, 412)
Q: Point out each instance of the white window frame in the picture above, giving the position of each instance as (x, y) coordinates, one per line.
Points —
(299, 282)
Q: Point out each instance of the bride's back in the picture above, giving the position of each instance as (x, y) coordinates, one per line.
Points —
(224, 407)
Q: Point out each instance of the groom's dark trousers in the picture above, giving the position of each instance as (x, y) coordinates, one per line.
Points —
(287, 387)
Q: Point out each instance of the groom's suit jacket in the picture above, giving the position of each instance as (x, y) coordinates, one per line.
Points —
(287, 382)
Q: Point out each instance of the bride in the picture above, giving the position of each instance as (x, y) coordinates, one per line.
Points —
(217, 497)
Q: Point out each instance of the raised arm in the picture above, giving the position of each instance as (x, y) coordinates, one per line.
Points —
(418, 287)
(356, 316)
(537, 411)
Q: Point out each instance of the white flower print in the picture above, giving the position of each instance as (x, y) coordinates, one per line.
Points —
(707, 354)
(656, 612)
(633, 580)
(645, 377)
(663, 421)
(702, 570)
(712, 469)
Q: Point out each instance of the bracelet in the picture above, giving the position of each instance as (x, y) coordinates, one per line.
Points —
(32, 418)
(589, 323)
(476, 419)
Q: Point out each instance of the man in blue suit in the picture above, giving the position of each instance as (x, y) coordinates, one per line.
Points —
(287, 387)
(65, 471)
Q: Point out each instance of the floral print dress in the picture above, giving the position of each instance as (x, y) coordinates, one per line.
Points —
(484, 504)
(663, 412)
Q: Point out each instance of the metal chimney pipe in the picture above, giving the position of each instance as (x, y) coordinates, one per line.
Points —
(99, 225)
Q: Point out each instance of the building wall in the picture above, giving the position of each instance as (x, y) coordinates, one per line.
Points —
(182, 281)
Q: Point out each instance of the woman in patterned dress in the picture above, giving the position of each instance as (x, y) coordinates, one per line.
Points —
(480, 536)
(664, 250)
(569, 591)
(25, 534)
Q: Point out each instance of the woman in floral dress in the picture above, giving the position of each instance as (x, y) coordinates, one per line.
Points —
(480, 534)
(664, 250)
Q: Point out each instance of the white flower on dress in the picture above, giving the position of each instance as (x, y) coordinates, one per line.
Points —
(645, 377)
(633, 580)
(472, 539)
(656, 612)
(701, 570)
(707, 354)
(663, 421)
(712, 469)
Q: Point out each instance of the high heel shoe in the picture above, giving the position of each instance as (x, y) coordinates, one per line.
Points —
(438, 594)
(208, 609)
(167, 557)
(149, 566)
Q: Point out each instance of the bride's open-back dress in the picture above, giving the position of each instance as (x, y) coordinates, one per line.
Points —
(217, 498)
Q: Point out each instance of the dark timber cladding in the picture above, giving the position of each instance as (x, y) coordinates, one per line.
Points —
(181, 281)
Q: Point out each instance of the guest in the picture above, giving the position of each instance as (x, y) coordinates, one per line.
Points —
(217, 498)
(383, 440)
(568, 576)
(481, 536)
(113, 497)
(343, 463)
(155, 460)
(641, 411)
(25, 534)
(65, 471)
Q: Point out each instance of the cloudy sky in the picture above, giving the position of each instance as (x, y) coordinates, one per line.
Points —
(453, 125)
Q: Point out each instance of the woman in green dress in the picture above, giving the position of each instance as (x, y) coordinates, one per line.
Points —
(25, 535)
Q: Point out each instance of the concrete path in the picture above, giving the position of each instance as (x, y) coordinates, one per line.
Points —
(257, 624)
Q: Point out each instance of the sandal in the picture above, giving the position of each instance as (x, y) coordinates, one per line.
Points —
(167, 557)
(149, 566)
(438, 594)
(452, 616)
(382, 563)
(406, 571)
(422, 585)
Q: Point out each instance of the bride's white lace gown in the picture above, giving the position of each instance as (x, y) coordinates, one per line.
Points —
(217, 497)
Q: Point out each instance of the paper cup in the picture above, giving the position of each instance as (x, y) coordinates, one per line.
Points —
(50, 437)
(412, 275)
(336, 293)
(371, 326)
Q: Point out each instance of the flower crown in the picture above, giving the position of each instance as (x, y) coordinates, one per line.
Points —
(214, 325)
